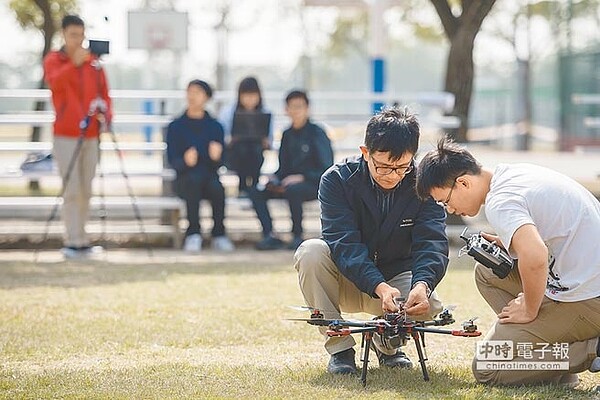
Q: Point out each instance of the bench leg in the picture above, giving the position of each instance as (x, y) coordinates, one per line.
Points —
(175, 215)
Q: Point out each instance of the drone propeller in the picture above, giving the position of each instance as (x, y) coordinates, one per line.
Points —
(314, 321)
(302, 308)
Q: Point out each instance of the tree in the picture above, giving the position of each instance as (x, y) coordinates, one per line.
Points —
(528, 49)
(461, 30)
(45, 16)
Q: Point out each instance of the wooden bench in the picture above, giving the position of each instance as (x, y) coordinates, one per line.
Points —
(23, 208)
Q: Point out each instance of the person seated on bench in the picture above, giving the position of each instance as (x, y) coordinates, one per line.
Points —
(194, 150)
(305, 153)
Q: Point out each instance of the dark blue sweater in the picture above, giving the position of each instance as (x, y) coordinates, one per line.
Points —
(184, 133)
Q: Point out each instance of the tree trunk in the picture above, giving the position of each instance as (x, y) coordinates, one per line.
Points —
(461, 31)
(459, 79)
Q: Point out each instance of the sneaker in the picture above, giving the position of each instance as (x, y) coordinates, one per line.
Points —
(222, 243)
(269, 243)
(569, 381)
(91, 250)
(193, 243)
(397, 360)
(295, 243)
(595, 367)
(72, 253)
(342, 363)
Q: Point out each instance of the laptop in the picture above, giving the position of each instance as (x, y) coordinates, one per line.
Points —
(250, 125)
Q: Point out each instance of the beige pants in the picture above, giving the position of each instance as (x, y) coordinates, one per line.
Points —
(576, 323)
(78, 191)
(326, 289)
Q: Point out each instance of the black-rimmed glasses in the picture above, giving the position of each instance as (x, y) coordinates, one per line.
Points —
(445, 202)
(388, 170)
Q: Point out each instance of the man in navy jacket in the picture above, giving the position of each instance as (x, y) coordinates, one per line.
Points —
(194, 150)
(379, 240)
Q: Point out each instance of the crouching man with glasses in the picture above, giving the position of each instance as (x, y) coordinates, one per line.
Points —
(548, 307)
(379, 241)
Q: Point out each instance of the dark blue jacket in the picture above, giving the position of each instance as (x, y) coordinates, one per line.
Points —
(366, 249)
(184, 133)
(306, 151)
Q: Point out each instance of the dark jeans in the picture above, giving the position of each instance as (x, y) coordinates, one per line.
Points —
(192, 190)
(294, 194)
(246, 158)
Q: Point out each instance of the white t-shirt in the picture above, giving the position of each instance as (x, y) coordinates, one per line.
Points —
(567, 217)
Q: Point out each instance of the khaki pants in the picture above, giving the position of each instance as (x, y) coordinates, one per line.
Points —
(78, 191)
(326, 289)
(576, 323)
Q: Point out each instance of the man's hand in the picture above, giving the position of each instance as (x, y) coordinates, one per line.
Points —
(292, 180)
(515, 312)
(190, 157)
(493, 238)
(80, 55)
(215, 150)
(417, 302)
(387, 294)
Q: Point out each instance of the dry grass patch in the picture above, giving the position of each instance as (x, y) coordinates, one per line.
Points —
(205, 327)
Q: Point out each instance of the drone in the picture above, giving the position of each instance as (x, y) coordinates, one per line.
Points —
(395, 329)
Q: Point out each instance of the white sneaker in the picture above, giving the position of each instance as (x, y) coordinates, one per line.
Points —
(92, 250)
(71, 253)
(193, 243)
(222, 243)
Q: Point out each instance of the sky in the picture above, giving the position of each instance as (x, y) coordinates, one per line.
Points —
(263, 32)
(266, 35)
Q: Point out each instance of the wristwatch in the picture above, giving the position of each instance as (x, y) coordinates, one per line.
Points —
(428, 289)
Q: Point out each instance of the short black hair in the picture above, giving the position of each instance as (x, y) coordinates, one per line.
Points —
(394, 130)
(203, 85)
(69, 20)
(440, 167)
(297, 94)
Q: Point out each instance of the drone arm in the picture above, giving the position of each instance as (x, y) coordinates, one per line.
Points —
(349, 331)
(453, 332)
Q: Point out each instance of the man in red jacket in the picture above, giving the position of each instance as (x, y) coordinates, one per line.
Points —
(79, 94)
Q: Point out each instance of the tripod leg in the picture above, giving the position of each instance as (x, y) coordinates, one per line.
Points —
(102, 212)
(134, 205)
(65, 182)
(422, 358)
(367, 337)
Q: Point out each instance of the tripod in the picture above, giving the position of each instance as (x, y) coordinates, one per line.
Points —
(97, 110)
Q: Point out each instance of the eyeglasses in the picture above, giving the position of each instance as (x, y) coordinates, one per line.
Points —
(445, 202)
(388, 170)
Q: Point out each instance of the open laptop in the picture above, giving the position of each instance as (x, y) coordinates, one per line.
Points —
(250, 125)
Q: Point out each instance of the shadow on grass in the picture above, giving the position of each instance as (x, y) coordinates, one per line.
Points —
(442, 384)
(14, 275)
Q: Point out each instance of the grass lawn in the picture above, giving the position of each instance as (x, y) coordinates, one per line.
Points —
(206, 327)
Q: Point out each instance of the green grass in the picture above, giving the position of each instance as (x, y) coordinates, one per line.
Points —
(211, 328)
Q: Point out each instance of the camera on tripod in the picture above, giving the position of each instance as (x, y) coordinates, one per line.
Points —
(487, 253)
(99, 47)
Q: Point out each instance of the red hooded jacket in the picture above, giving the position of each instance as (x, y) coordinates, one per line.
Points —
(73, 90)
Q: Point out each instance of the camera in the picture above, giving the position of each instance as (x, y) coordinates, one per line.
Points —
(487, 253)
(99, 47)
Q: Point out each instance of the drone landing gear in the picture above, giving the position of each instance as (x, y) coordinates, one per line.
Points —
(367, 339)
(418, 337)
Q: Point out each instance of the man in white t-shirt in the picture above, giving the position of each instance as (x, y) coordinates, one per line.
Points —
(548, 307)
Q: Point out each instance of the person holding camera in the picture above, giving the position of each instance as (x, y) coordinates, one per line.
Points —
(82, 106)
(379, 241)
(195, 150)
(545, 220)
(304, 154)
